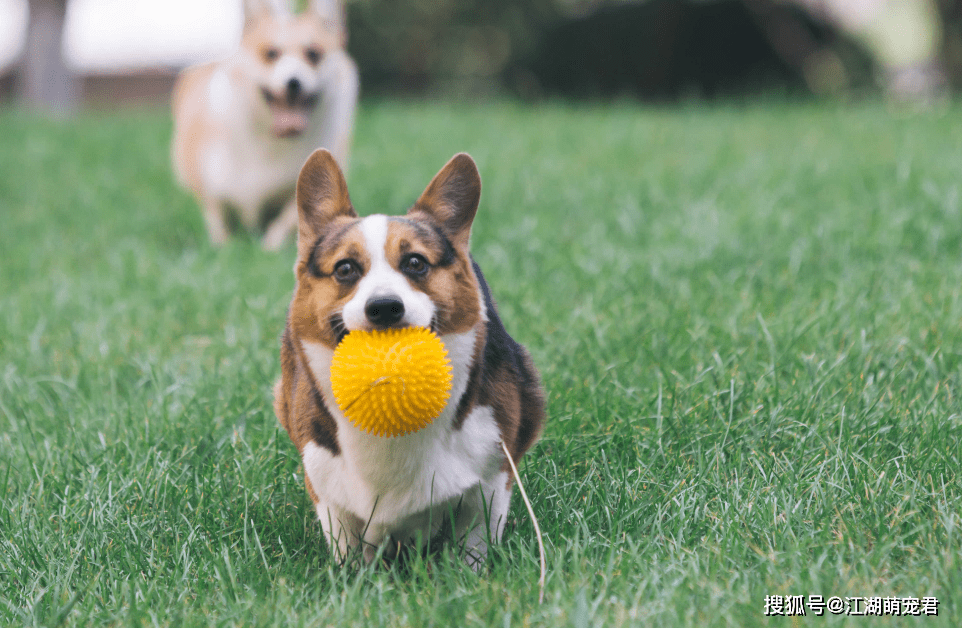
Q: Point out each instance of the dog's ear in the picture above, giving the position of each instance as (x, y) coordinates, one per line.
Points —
(331, 13)
(452, 198)
(254, 9)
(321, 197)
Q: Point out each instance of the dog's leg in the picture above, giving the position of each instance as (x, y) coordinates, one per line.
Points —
(340, 101)
(374, 535)
(215, 220)
(342, 530)
(482, 518)
(280, 229)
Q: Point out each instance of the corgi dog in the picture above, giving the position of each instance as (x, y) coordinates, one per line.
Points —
(450, 478)
(244, 126)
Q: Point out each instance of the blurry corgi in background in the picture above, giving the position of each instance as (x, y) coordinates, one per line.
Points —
(244, 126)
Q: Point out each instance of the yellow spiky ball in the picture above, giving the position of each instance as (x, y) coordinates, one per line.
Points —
(391, 382)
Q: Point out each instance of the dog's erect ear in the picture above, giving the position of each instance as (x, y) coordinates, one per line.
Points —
(332, 14)
(256, 8)
(452, 198)
(321, 197)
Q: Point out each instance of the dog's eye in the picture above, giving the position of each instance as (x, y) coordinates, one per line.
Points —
(271, 54)
(414, 265)
(346, 271)
(313, 55)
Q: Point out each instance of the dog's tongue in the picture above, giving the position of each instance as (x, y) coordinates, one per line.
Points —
(288, 121)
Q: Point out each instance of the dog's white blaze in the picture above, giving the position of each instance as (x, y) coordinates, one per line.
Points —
(293, 66)
(382, 280)
(389, 481)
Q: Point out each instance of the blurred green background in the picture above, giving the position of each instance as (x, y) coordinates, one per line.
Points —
(662, 50)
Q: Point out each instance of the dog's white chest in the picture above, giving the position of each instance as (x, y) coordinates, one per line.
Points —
(397, 478)
(387, 480)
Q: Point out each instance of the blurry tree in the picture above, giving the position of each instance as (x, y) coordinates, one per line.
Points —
(652, 48)
(665, 49)
(415, 45)
(649, 48)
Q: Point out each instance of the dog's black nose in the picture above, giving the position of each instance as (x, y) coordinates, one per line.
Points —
(293, 87)
(384, 311)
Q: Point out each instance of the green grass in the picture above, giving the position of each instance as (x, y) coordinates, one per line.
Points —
(748, 321)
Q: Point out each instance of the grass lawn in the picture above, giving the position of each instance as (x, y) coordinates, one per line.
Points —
(748, 321)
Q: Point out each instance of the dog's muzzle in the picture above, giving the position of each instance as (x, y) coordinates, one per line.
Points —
(290, 109)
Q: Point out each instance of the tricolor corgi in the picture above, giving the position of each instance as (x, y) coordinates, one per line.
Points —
(379, 272)
(244, 126)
